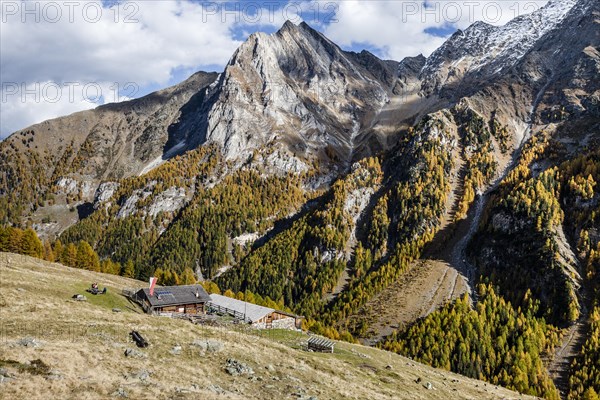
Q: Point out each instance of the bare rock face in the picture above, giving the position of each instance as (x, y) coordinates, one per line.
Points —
(537, 70)
(298, 91)
(104, 193)
(115, 140)
(570, 58)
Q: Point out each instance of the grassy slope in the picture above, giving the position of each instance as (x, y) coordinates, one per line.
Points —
(84, 342)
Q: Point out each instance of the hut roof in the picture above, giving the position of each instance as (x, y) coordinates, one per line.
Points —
(253, 312)
(319, 343)
(175, 295)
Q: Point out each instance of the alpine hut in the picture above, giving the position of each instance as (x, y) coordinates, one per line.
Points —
(185, 299)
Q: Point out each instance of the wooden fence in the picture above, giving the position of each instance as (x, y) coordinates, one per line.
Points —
(216, 309)
(131, 294)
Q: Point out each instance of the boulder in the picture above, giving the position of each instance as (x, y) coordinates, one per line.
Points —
(235, 368)
(208, 345)
(133, 353)
(29, 342)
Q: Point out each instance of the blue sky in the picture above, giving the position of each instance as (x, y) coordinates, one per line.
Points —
(58, 57)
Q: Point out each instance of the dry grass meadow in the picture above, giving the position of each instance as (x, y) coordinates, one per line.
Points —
(81, 348)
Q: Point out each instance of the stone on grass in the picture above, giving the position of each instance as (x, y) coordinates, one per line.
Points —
(133, 353)
(216, 389)
(208, 345)
(5, 373)
(120, 392)
(54, 376)
(235, 368)
(29, 342)
(143, 375)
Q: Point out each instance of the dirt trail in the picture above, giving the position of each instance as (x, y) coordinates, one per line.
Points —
(341, 284)
(425, 287)
(559, 366)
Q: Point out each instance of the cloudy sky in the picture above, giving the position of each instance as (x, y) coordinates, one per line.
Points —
(58, 57)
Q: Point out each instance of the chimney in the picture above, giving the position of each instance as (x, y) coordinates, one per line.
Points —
(152, 283)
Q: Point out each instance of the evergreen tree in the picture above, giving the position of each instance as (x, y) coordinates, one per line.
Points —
(57, 249)
(87, 257)
(31, 244)
(128, 270)
(187, 277)
(69, 255)
(590, 394)
(48, 252)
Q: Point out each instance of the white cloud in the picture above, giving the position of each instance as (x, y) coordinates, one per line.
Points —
(399, 28)
(143, 43)
(146, 42)
(91, 43)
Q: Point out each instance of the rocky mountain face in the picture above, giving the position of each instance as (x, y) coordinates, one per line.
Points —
(69, 157)
(299, 93)
(301, 97)
(116, 140)
(483, 51)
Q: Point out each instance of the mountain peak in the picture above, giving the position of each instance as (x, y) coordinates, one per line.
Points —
(302, 29)
(288, 26)
(491, 48)
(296, 82)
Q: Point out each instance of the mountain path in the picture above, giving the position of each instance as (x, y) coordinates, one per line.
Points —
(560, 364)
(426, 286)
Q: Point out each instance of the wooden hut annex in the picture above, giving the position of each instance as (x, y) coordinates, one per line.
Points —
(258, 316)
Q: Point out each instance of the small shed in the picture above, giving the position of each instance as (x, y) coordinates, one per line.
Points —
(322, 345)
(258, 316)
(185, 299)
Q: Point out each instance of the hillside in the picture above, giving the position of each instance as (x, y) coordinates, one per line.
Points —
(83, 345)
(446, 208)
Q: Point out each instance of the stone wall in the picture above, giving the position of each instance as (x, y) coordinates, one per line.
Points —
(284, 323)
